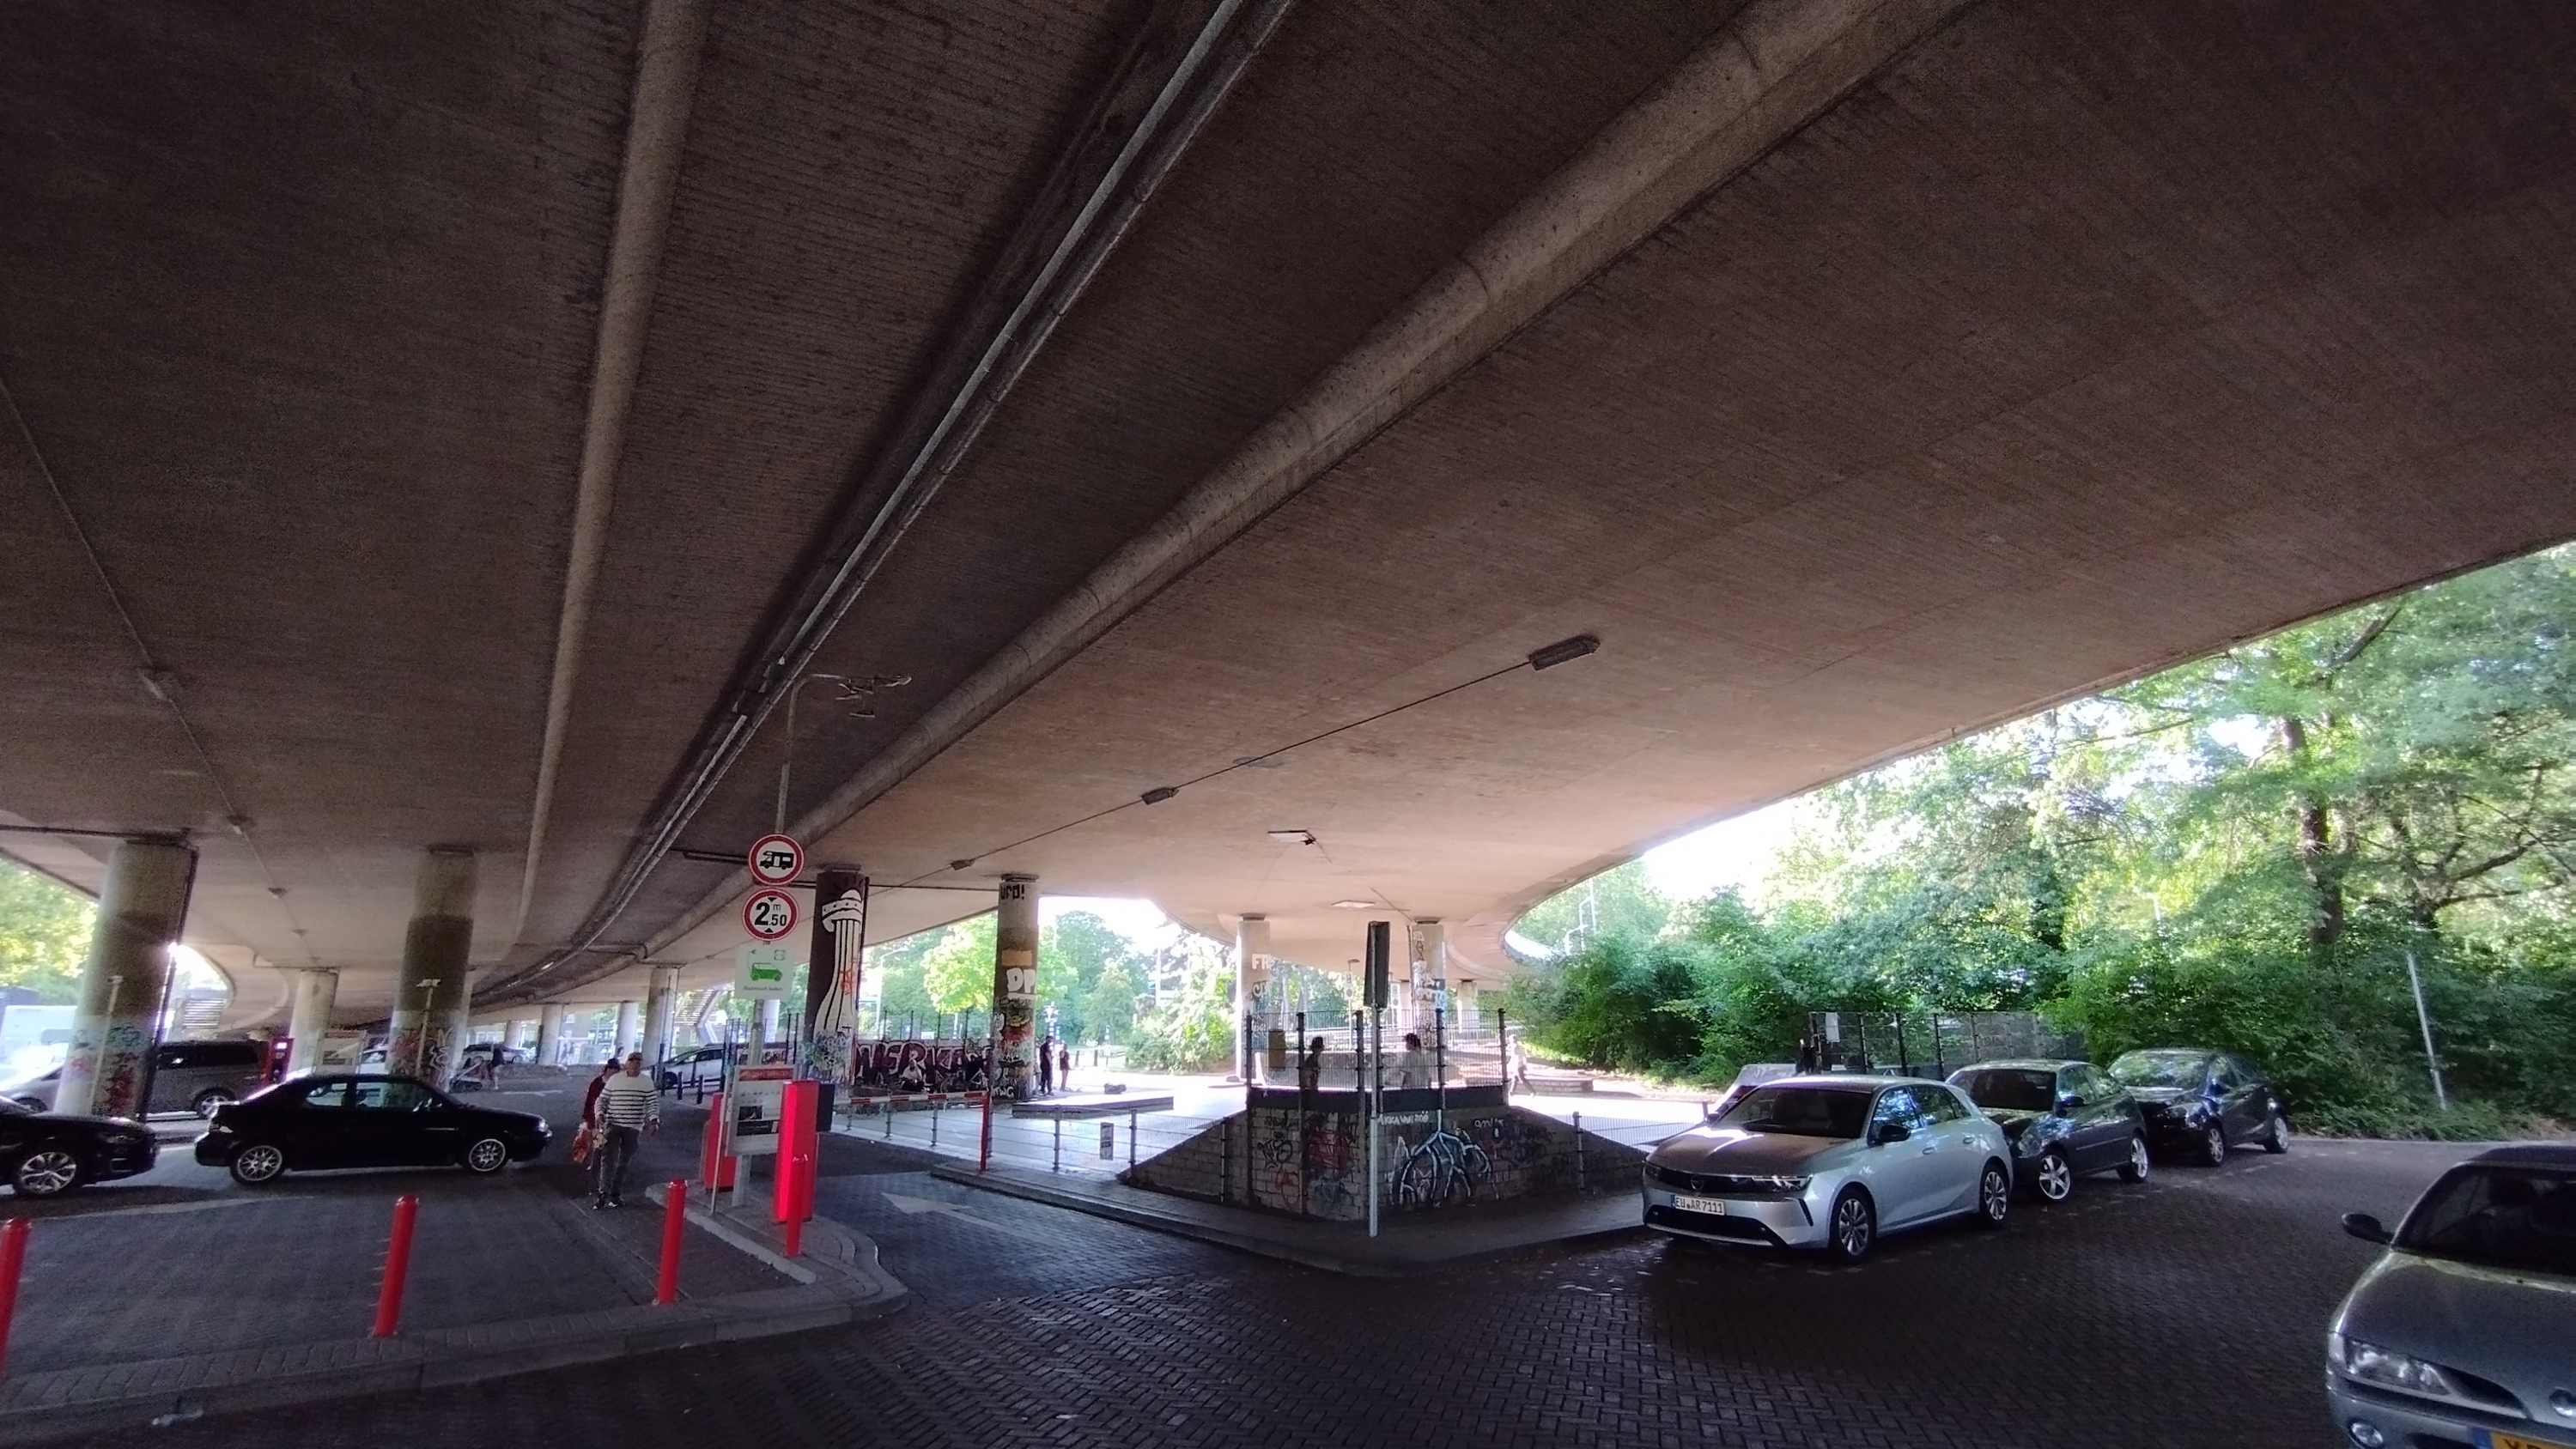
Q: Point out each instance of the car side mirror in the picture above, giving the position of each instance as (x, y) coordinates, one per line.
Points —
(2068, 1102)
(2367, 1228)
(1887, 1132)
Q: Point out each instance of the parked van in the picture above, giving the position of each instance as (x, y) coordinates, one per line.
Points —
(187, 1076)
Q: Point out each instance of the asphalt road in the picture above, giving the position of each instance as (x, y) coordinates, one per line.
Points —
(2184, 1312)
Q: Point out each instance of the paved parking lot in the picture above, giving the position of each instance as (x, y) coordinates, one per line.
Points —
(2187, 1312)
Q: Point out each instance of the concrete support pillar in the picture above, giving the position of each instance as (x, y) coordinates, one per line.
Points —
(514, 1033)
(430, 997)
(661, 1004)
(1430, 972)
(769, 1020)
(117, 1020)
(1251, 987)
(630, 1029)
(550, 1025)
(1015, 987)
(315, 993)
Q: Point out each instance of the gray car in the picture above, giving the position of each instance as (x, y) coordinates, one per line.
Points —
(2464, 1331)
(1831, 1162)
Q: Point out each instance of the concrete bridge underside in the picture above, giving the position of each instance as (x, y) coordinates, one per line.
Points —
(424, 428)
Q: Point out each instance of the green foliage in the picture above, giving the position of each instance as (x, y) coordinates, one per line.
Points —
(1193, 1030)
(2241, 853)
(44, 934)
(957, 972)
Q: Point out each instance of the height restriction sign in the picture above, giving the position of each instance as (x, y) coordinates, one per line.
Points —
(769, 914)
(776, 859)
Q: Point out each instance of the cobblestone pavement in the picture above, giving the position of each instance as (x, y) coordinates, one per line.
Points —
(2186, 1312)
(182, 1260)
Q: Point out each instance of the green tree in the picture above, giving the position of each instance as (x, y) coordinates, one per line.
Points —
(44, 933)
(957, 972)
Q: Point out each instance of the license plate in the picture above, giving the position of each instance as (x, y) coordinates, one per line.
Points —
(1716, 1208)
(2495, 1440)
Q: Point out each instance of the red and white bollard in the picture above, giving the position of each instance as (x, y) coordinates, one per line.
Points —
(397, 1266)
(13, 1261)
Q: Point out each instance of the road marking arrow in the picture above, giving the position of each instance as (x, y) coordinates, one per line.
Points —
(914, 1206)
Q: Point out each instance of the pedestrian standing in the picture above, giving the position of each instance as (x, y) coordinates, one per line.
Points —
(1064, 1067)
(1520, 1065)
(1310, 1067)
(1409, 1071)
(630, 1105)
(1046, 1065)
(590, 1097)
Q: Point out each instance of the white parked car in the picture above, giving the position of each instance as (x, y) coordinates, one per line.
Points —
(1831, 1162)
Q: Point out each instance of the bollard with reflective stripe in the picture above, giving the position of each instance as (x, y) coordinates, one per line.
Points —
(397, 1266)
(13, 1261)
(675, 1220)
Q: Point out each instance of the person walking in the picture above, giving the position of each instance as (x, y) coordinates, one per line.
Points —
(1520, 1065)
(1046, 1065)
(1409, 1068)
(1310, 1067)
(630, 1105)
(1064, 1067)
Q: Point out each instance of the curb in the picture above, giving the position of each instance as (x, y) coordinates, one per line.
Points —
(1247, 1236)
(843, 1285)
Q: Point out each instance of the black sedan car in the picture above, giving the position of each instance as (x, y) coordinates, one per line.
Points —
(2064, 1120)
(2201, 1103)
(363, 1121)
(46, 1153)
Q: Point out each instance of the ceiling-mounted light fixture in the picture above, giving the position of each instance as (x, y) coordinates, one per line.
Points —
(1563, 651)
(1159, 794)
(1354, 905)
(1293, 837)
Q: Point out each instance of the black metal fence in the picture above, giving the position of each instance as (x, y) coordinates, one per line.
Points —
(1928, 1043)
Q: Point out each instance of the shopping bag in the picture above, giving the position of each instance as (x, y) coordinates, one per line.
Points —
(581, 1144)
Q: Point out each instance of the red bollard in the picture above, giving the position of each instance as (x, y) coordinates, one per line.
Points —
(13, 1259)
(675, 1219)
(397, 1264)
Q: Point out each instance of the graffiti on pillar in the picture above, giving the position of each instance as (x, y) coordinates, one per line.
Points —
(830, 1049)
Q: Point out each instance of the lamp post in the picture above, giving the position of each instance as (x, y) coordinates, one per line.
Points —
(860, 690)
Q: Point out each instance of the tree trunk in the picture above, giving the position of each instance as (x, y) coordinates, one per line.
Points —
(2319, 862)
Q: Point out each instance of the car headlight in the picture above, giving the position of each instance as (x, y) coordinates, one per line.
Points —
(1779, 1184)
(2388, 1368)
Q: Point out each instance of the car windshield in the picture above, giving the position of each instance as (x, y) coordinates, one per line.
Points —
(2517, 1218)
(1804, 1111)
(2161, 1069)
(2009, 1089)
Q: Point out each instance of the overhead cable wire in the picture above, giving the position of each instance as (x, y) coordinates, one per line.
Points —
(1538, 659)
(161, 681)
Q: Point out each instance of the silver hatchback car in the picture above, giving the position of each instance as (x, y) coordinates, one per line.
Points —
(1831, 1162)
(2464, 1331)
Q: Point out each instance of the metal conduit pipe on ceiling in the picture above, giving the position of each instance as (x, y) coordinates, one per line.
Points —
(1224, 46)
(1771, 70)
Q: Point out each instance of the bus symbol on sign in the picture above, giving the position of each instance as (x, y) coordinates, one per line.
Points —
(769, 914)
(776, 859)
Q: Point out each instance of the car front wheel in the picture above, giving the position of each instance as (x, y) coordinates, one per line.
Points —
(1994, 1196)
(489, 1155)
(2053, 1178)
(46, 1172)
(211, 1101)
(2213, 1145)
(2276, 1137)
(2135, 1169)
(1852, 1228)
(257, 1163)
